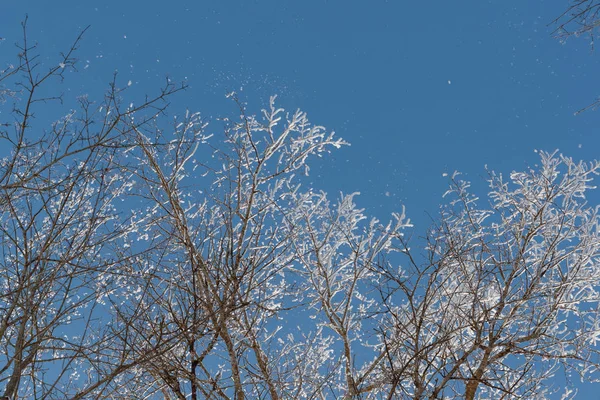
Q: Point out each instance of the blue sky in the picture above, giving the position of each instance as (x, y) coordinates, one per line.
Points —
(417, 88)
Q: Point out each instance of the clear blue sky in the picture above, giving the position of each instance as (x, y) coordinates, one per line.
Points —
(418, 88)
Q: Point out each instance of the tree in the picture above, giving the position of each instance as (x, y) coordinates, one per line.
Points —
(509, 295)
(60, 230)
(145, 260)
(582, 17)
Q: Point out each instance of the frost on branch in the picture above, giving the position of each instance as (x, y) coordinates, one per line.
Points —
(143, 258)
(510, 293)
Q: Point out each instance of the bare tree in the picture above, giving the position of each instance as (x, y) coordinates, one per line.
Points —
(580, 18)
(231, 251)
(60, 232)
(506, 297)
(509, 295)
(142, 260)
